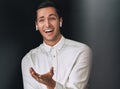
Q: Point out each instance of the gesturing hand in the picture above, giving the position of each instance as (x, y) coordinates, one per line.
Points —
(44, 78)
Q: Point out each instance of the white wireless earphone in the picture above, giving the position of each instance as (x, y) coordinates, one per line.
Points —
(36, 28)
(60, 24)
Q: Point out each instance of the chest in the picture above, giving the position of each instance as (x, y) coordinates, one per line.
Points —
(60, 60)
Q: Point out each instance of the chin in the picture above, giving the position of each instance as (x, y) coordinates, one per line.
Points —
(49, 39)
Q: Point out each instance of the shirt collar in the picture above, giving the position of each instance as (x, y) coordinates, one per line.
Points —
(58, 46)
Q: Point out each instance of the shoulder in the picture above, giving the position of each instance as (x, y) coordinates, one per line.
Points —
(32, 51)
(80, 48)
(31, 55)
(76, 44)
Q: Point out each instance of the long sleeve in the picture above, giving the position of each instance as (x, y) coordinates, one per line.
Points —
(71, 62)
(28, 81)
(79, 72)
(39, 62)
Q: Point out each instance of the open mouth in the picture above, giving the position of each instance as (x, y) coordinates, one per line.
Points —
(48, 30)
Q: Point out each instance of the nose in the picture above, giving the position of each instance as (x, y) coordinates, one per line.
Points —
(47, 23)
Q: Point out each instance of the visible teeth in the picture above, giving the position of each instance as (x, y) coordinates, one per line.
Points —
(49, 30)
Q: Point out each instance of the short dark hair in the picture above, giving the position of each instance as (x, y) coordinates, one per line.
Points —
(49, 3)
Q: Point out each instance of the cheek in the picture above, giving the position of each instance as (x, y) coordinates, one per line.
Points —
(40, 27)
(56, 25)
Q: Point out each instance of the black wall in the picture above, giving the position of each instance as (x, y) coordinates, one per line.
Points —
(94, 22)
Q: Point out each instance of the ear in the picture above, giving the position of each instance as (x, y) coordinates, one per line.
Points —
(36, 26)
(60, 24)
(61, 21)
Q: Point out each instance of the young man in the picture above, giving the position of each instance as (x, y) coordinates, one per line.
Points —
(58, 63)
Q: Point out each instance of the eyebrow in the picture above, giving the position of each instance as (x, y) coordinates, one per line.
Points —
(53, 15)
(49, 15)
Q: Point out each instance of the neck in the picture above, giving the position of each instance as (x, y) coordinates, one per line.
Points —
(54, 42)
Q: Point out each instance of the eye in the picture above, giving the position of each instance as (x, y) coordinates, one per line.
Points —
(41, 20)
(52, 18)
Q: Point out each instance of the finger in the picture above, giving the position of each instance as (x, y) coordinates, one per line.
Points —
(42, 81)
(52, 71)
(32, 71)
(34, 74)
(45, 76)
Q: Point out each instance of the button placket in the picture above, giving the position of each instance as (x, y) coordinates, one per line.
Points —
(54, 61)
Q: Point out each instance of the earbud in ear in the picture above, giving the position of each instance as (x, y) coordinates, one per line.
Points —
(36, 28)
(60, 24)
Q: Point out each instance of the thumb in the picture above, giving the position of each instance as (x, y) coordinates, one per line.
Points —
(52, 71)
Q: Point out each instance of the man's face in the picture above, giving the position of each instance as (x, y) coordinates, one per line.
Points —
(48, 23)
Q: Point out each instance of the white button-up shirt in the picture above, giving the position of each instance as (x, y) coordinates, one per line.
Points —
(71, 61)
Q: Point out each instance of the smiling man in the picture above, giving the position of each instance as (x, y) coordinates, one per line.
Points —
(48, 23)
(58, 63)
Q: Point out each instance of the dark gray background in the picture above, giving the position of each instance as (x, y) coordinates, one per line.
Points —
(94, 22)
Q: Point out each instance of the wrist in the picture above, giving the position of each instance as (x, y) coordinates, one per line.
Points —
(52, 84)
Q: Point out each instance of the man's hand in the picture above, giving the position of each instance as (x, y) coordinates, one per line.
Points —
(44, 78)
